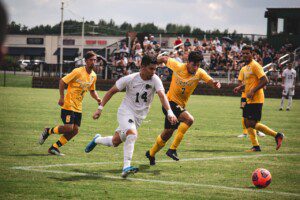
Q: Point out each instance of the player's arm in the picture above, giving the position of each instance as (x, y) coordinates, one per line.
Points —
(240, 87)
(62, 85)
(214, 84)
(105, 99)
(162, 59)
(262, 83)
(165, 103)
(95, 96)
(263, 80)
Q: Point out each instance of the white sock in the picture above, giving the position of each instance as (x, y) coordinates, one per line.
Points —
(106, 141)
(128, 149)
(281, 104)
(290, 102)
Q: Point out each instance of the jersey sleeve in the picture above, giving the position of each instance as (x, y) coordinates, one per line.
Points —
(158, 85)
(68, 78)
(258, 70)
(241, 75)
(173, 64)
(283, 73)
(123, 82)
(204, 76)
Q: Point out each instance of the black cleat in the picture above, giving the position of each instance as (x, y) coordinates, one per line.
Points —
(172, 154)
(288, 109)
(54, 151)
(44, 136)
(280, 109)
(278, 138)
(254, 149)
(151, 159)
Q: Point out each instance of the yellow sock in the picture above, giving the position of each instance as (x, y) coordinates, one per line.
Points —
(266, 130)
(159, 144)
(53, 130)
(183, 127)
(244, 127)
(253, 136)
(61, 142)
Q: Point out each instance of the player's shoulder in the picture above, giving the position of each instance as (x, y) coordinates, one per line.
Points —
(254, 63)
(155, 78)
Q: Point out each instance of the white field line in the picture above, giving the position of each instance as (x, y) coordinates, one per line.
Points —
(166, 182)
(161, 161)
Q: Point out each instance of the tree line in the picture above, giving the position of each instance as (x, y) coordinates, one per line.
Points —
(73, 27)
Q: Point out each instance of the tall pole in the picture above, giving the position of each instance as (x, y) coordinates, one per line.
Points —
(61, 39)
(82, 37)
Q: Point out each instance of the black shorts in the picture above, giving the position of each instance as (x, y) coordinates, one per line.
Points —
(253, 111)
(177, 110)
(243, 102)
(70, 117)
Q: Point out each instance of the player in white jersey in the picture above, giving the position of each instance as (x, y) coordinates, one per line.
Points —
(140, 88)
(288, 85)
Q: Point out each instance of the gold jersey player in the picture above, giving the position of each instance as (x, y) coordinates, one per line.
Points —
(185, 79)
(79, 81)
(254, 80)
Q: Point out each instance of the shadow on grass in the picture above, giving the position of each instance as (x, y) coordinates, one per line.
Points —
(29, 155)
(102, 174)
(211, 150)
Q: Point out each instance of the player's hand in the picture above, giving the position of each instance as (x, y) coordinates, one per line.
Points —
(99, 101)
(97, 114)
(61, 101)
(250, 94)
(217, 84)
(237, 89)
(172, 119)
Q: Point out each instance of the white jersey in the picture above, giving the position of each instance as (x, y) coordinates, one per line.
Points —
(289, 77)
(139, 93)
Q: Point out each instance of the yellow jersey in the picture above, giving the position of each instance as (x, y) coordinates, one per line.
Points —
(79, 82)
(241, 78)
(183, 83)
(250, 75)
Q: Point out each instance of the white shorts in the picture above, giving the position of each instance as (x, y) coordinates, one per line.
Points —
(127, 121)
(288, 91)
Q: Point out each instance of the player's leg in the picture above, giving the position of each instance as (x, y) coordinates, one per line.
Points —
(131, 136)
(186, 120)
(253, 115)
(290, 95)
(245, 132)
(159, 144)
(284, 95)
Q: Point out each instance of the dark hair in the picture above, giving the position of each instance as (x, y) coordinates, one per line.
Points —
(247, 47)
(195, 56)
(3, 23)
(149, 59)
(89, 54)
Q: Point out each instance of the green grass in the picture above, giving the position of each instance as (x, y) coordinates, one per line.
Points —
(16, 80)
(25, 112)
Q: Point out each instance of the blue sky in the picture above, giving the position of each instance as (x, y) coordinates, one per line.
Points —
(244, 16)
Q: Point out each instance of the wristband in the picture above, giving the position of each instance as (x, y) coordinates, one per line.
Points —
(100, 107)
(170, 112)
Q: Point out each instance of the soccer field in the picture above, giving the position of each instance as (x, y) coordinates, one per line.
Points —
(213, 165)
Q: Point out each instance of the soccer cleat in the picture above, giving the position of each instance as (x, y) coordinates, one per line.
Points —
(172, 154)
(278, 138)
(280, 109)
(44, 136)
(242, 135)
(151, 159)
(254, 149)
(54, 151)
(260, 134)
(92, 144)
(129, 170)
(288, 109)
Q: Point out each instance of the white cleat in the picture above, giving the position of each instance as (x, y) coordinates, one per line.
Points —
(260, 134)
(242, 136)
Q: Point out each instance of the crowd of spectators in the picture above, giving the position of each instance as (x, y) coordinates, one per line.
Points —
(222, 56)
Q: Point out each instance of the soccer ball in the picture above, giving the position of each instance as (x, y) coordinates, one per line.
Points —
(261, 178)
